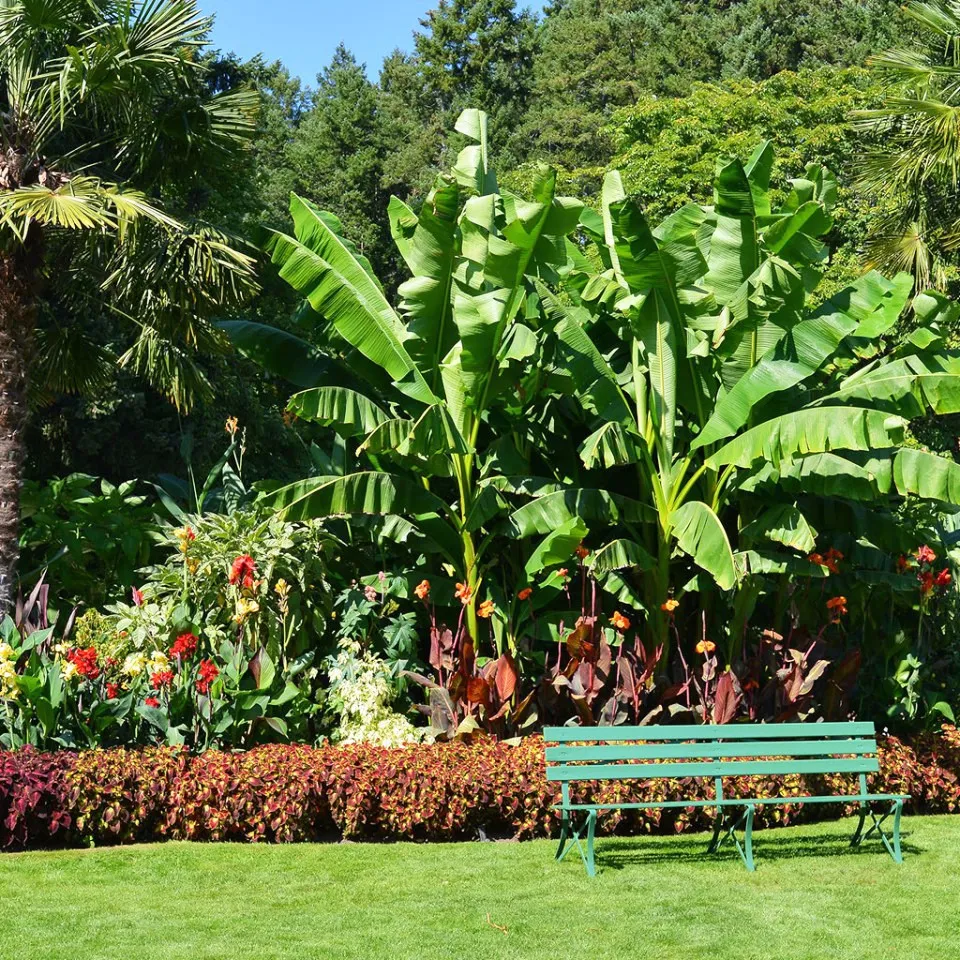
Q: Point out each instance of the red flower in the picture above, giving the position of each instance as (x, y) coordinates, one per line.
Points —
(831, 558)
(162, 678)
(137, 597)
(151, 702)
(525, 593)
(207, 674)
(926, 581)
(113, 691)
(903, 563)
(943, 578)
(243, 570)
(184, 647)
(86, 662)
(926, 555)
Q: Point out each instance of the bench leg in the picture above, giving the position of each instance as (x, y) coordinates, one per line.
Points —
(892, 843)
(717, 827)
(589, 824)
(731, 825)
(858, 833)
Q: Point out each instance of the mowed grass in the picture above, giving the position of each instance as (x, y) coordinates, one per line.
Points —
(811, 897)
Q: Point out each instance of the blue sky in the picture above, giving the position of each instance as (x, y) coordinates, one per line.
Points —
(304, 33)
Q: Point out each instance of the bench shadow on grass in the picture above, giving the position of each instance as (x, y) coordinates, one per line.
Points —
(616, 853)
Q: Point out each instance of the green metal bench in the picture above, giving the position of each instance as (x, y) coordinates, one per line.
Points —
(598, 754)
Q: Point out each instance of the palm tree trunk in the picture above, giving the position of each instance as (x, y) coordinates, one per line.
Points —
(16, 328)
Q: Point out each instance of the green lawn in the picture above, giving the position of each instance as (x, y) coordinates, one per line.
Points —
(811, 897)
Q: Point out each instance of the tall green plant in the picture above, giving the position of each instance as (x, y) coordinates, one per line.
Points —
(736, 410)
(441, 391)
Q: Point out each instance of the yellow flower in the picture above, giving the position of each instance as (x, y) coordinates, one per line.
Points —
(668, 606)
(158, 661)
(193, 566)
(231, 425)
(706, 646)
(281, 587)
(245, 607)
(69, 671)
(7, 652)
(134, 664)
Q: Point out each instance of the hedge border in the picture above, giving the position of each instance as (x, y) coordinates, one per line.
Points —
(455, 791)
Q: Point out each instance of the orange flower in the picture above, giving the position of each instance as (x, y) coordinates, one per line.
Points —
(485, 609)
(464, 593)
(706, 646)
(525, 593)
(668, 606)
(750, 684)
(582, 552)
(620, 621)
(562, 572)
(838, 605)
(422, 589)
(231, 425)
(816, 558)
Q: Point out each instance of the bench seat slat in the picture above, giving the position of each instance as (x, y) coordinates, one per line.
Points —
(709, 732)
(731, 802)
(712, 768)
(705, 751)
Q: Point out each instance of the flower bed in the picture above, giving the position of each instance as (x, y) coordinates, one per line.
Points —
(427, 792)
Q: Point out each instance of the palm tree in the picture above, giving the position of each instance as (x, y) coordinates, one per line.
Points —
(913, 168)
(101, 101)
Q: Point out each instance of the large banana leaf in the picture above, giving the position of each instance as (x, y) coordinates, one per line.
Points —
(611, 446)
(823, 475)
(350, 413)
(283, 354)
(734, 244)
(596, 383)
(427, 245)
(700, 534)
(660, 332)
(797, 356)
(321, 267)
(557, 547)
(818, 430)
(927, 475)
(912, 386)
(550, 512)
(367, 493)
(620, 555)
(783, 523)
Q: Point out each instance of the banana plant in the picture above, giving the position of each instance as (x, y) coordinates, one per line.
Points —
(717, 392)
(439, 393)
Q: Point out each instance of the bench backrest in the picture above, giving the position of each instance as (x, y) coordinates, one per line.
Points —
(730, 750)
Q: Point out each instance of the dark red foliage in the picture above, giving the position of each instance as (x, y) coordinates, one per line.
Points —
(448, 791)
(36, 802)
